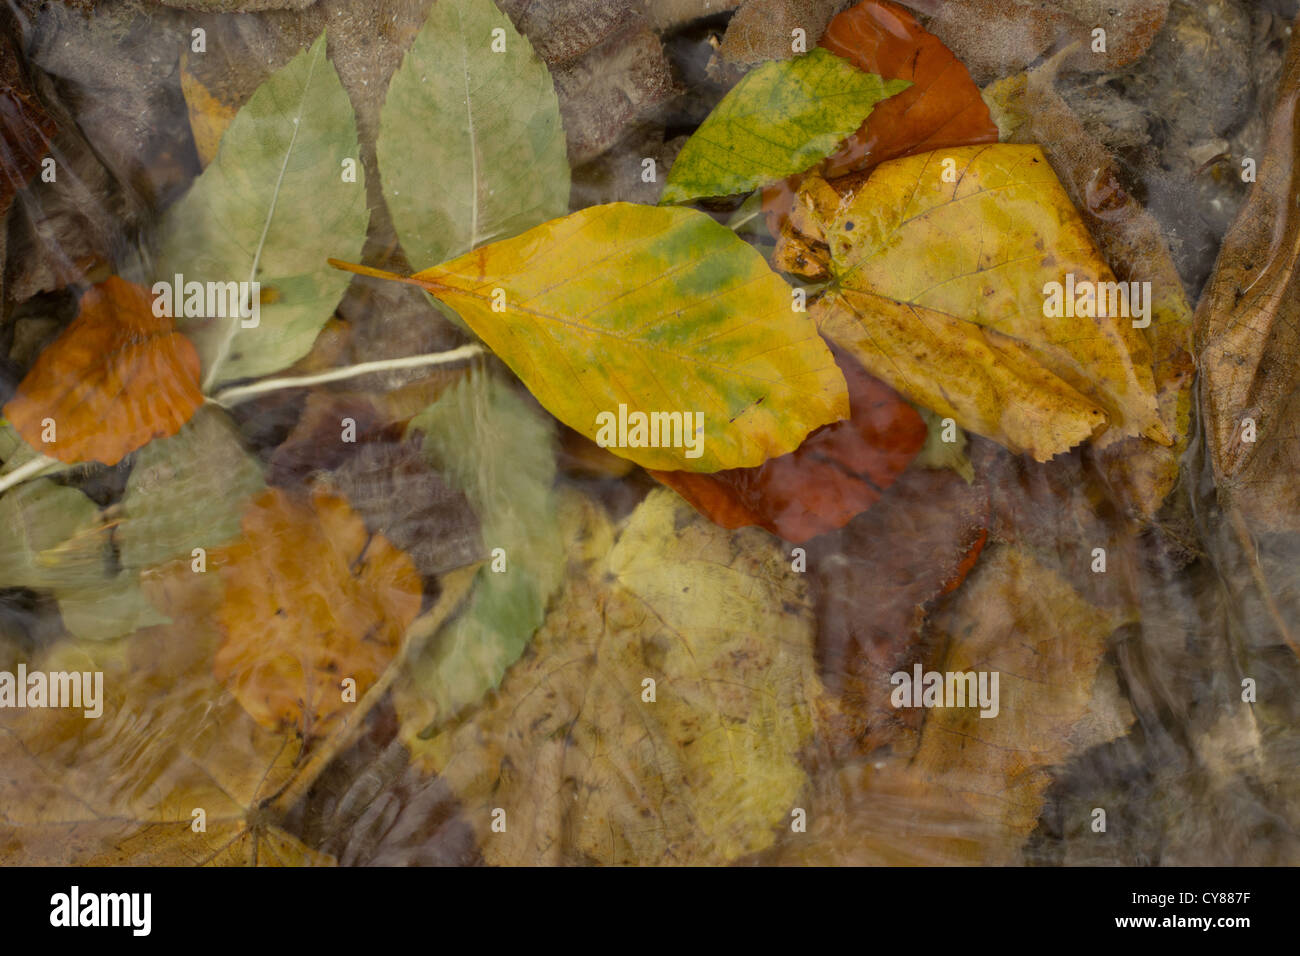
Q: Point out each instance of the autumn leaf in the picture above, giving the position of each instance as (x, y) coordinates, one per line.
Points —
(114, 380)
(941, 106)
(270, 208)
(186, 492)
(588, 309)
(477, 116)
(970, 789)
(1248, 336)
(500, 452)
(586, 770)
(780, 119)
(940, 289)
(209, 117)
(1133, 244)
(174, 772)
(311, 598)
(839, 471)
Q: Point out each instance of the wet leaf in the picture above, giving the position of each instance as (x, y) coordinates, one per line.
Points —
(604, 300)
(782, 118)
(839, 471)
(940, 289)
(114, 380)
(270, 208)
(186, 492)
(311, 598)
(499, 452)
(209, 117)
(588, 772)
(1248, 336)
(476, 116)
(1133, 244)
(52, 538)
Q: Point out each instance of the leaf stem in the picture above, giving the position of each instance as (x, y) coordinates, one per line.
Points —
(240, 393)
(37, 466)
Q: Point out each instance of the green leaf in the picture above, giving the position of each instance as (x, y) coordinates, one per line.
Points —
(658, 309)
(271, 207)
(53, 537)
(498, 451)
(939, 454)
(109, 609)
(186, 492)
(470, 144)
(779, 120)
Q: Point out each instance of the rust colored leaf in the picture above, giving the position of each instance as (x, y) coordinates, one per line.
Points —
(117, 378)
(311, 599)
(838, 472)
(941, 108)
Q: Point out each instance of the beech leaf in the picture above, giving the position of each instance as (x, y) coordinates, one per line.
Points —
(782, 118)
(586, 770)
(114, 380)
(940, 288)
(659, 310)
(477, 117)
(270, 208)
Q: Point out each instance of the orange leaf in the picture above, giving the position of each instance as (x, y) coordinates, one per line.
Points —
(941, 108)
(311, 599)
(839, 471)
(114, 380)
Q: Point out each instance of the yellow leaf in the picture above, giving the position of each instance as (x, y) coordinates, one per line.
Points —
(584, 766)
(940, 286)
(658, 310)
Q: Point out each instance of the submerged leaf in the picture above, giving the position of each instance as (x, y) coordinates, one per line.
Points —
(270, 208)
(500, 453)
(780, 119)
(114, 380)
(649, 310)
(476, 117)
(311, 598)
(941, 287)
(585, 767)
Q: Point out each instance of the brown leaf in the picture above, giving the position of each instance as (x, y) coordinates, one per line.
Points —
(25, 126)
(839, 471)
(117, 378)
(1248, 334)
(311, 598)
(941, 108)
(874, 581)
(761, 29)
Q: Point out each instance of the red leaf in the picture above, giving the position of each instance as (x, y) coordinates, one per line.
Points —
(941, 108)
(839, 471)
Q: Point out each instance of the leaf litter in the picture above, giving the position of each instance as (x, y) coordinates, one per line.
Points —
(344, 550)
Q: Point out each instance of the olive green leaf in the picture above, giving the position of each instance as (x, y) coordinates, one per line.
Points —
(270, 208)
(779, 120)
(186, 492)
(470, 145)
(499, 451)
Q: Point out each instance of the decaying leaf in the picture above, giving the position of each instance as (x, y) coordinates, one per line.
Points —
(941, 288)
(477, 116)
(25, 126)
(186, 492)
(1133, 244)
(588, 770)
(764, 29)
(269, 209)
(174, 771)
(500, 453)
(839, 471)
(114, 380)
(311, 599)
(1248, 335)
(587, 308)
(782, 118)
(972, 788)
